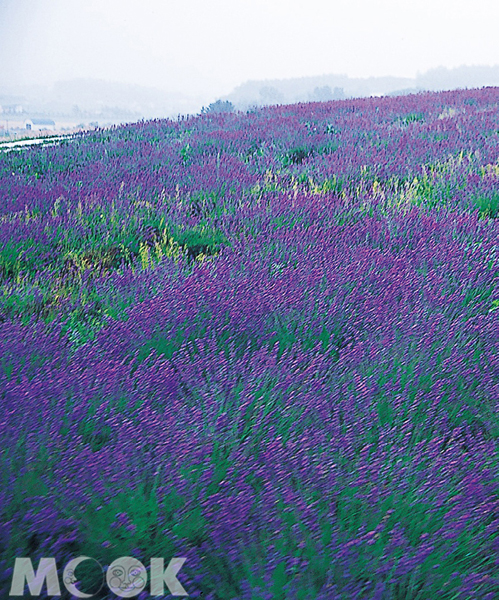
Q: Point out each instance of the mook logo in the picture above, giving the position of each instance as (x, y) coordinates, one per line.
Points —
(126, 577)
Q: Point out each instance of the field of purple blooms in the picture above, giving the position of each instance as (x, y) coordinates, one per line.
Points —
(265, 342)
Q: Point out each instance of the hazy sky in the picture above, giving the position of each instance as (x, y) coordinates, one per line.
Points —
(213, 45)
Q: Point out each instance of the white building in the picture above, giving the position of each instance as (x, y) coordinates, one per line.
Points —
(40, 124)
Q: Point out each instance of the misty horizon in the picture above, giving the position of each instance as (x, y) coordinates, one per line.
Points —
(90, 99)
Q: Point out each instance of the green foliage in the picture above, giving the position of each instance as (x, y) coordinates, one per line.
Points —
(17, 258)
(220, 106)
(412, 118)
(296, 156)
(488, 206)
(127, 522)
(199, 241)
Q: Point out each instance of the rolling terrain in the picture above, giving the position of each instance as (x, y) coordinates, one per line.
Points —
(262, 341)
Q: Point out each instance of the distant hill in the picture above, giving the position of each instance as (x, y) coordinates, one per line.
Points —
(92, 94)
(460, 77)
(87, 100)
(331, 87)
(97, 99)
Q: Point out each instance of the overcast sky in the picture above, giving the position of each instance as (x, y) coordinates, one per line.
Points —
(210, 46)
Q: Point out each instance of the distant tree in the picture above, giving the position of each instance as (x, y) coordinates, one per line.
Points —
(220, 106)
(322, 94)
(271, 95)
(338, 93)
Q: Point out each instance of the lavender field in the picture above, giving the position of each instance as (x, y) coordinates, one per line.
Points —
(265, 342)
